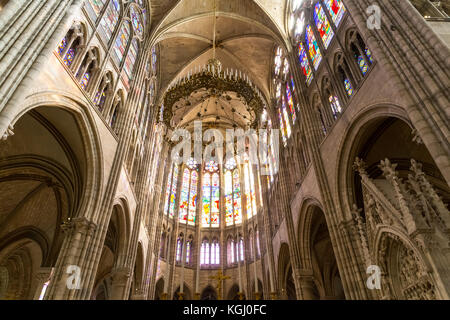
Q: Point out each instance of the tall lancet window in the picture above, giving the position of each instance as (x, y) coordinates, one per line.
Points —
(179, 252)
(109, 20)
(313, 47)
(215, 252)
(304, 63)
(241, 250)
(336, 9)
(233, 214)
(250, 190)
(94, 7)
(121, 43)
(188, 195)
(211, 196)
(188, 251)
(205, 253)
(171, 192)
(323, 25)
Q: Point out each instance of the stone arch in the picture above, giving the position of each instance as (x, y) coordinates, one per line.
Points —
(21, 256)
(209, 293)
(286, 282)
(348, 146)
(83, 117)
(233, 292)
(52, 167)
(405, 273)
(159, 289)
(186, 291)
(138, 271)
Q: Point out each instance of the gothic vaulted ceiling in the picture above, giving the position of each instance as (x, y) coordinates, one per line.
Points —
(247, 34)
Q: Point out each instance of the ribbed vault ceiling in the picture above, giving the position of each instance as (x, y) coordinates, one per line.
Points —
(247, 33)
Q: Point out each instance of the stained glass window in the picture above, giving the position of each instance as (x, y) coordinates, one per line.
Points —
(300, 25)
(278, 61)
(110, 19)
(369, 55)
(215, 253)
(100, 98)
(94, 7)
(336, 9)
(70, 55)
(188, 252)
(131, 58)
(193, 198)
(171, 192)
(211, 166)
(204, 253)
(228, 199)
(237, 197)
(290, 102)
(232, 198)
(169, 184)
(184, 196)
(232, 254)
(304, 63)
(136, 21)
(120, 45)
(154, 60)
(362, 65)
(250, 190)
(179, 249)
(323, 25)
(313, 47)
(348, 87)
(286, 117)
(258, 246)
(62, 46)
(282, 127)
(285, 68)
(85, 80)
(241, 249)
(206, 200)
(296, 4)
(215, 200)
(278, 90)
(335, 106)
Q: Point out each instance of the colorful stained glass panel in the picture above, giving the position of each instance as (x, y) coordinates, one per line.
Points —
(313, 47)
(336, 9)
(323, 25)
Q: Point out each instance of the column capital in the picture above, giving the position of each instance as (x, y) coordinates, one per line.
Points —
(79, 224)
(121, 274)
(44, 274)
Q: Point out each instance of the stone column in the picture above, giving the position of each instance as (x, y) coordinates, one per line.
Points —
(119, 284)
(29, 32)
(41, 277)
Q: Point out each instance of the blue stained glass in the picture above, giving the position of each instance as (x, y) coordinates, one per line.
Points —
(369, 55)
(313, 47)
(68, 59)
(85, 80)
(362, 65)
(62, 46)
(304, 63)
(348, 87)
(136, 20)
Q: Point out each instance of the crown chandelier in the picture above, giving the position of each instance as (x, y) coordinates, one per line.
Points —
(212, 76)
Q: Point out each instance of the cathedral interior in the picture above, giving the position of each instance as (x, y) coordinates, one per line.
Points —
(348, 199)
